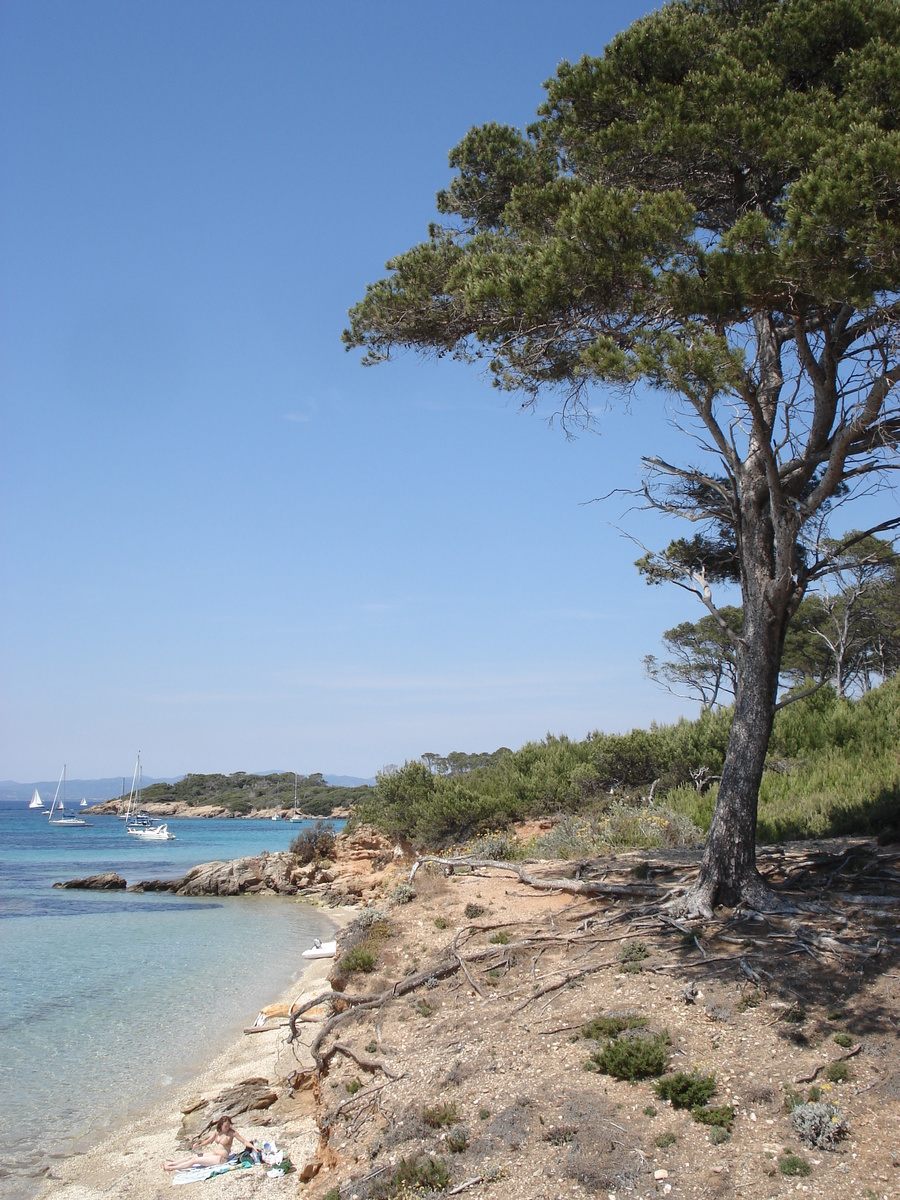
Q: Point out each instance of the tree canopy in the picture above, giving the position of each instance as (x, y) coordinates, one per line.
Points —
(710, 208)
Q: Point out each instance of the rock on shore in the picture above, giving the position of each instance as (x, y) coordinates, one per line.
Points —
(362, 865)
(108, 882)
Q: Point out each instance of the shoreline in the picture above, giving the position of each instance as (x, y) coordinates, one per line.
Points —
(124, 1160)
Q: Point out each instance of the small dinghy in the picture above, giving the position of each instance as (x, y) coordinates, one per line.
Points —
(321, 950)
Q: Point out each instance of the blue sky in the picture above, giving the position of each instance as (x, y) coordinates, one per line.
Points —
(224, 542)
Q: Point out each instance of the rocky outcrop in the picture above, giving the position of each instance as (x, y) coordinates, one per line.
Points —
(272, 874)
(363, 866)
(165, 808)
(109, 882)
(179, 808)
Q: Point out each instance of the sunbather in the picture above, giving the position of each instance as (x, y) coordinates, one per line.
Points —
(219, 1141)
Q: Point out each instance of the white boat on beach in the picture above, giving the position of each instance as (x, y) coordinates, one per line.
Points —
(61, 818)
(36, 801)
(320, 949)
(139, 824)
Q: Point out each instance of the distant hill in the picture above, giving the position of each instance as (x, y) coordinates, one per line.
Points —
(94, 790)
(242, 792)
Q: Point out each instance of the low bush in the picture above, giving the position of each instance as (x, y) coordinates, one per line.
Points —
(360, 958)
(439, 1115)
(686, 1090)
(314, 843)
(794, 1165)
(414, 1175)
(611, 1027)
(473, 911)
(838, 1072)
(458, 1139)
(634, 1057)
(498, 847)
(723, 1116)
(844, 1040)
(820, 1126)
(632, 955)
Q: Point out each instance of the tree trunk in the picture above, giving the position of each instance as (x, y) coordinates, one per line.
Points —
(728, 871)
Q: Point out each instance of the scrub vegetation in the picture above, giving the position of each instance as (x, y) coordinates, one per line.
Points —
(831, 770)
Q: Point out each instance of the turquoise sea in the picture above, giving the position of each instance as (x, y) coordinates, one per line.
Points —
(109, 999)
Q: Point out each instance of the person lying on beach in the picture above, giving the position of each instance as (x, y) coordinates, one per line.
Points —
(219, 1141)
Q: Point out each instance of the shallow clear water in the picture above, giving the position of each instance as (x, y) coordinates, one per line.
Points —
(110, 998)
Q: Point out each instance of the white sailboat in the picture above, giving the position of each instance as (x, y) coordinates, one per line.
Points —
(83, 803)
(62, 819)
(139, 824)
(36, 801)
(295, 815)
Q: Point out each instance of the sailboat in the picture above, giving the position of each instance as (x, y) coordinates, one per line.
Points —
(83, 803)
(295, 815)
(139, 824)
(62, 819)
(36, 801)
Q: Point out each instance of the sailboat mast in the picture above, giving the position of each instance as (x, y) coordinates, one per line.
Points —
(56, 793)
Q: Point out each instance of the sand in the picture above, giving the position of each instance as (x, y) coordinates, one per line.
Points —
(126, 1163)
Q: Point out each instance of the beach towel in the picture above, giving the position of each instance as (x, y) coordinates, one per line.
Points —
(196, 1174)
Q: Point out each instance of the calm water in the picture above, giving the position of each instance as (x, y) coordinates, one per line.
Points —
(108, 999)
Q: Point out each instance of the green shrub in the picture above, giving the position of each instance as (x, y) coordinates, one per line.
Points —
(473, 912)
(663, 1140)
(723, 1116)
(632, 954)
(417, 1174)
(499, 939)
(686, 1091)
(838, 1072)
(634, 1057)
(844, 1040)
(611, 1027)
(439, 1115)
(358, 958)
(441, 922)
(794, 1165)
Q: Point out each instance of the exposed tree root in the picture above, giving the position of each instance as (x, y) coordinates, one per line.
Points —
(576, 887)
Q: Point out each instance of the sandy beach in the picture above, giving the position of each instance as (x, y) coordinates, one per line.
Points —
(126, 1162)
